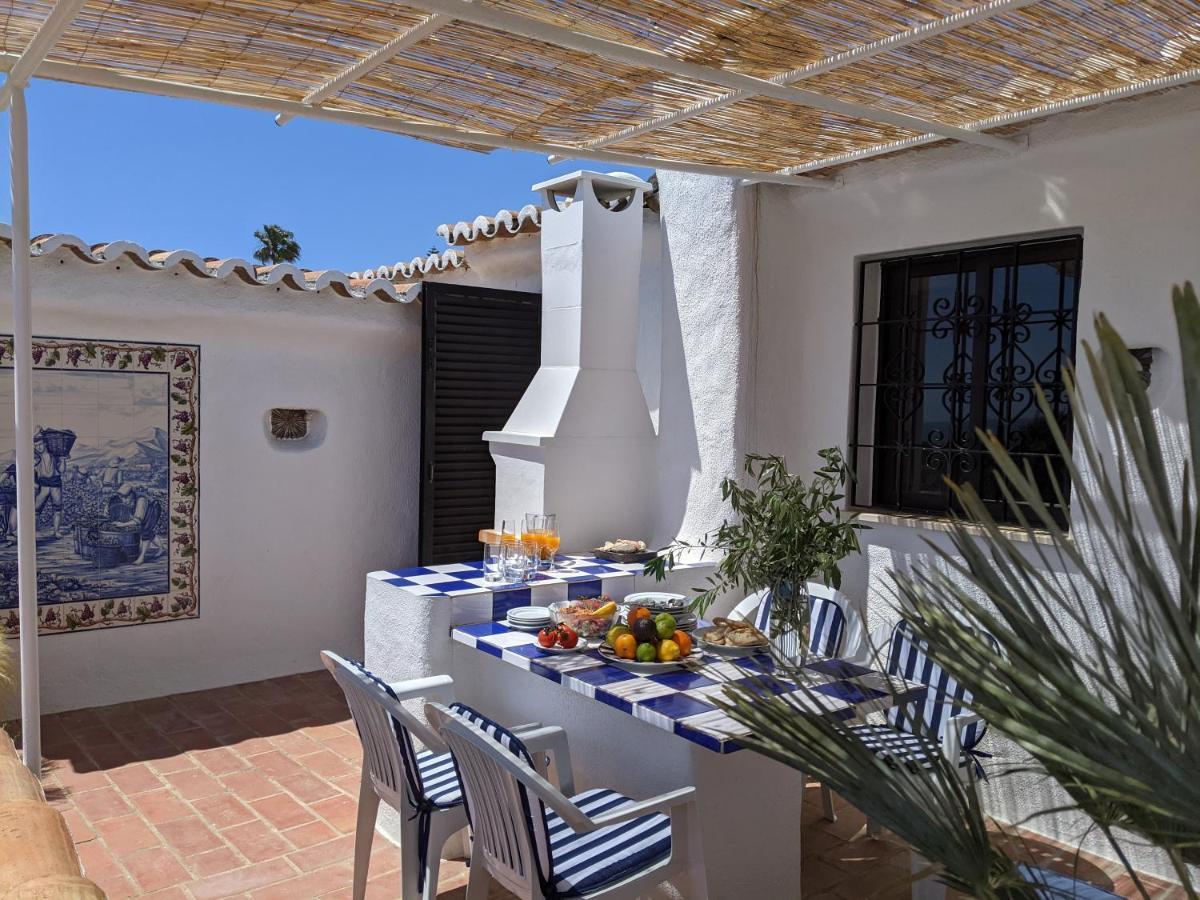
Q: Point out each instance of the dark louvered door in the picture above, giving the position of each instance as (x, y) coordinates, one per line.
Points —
(481, 348)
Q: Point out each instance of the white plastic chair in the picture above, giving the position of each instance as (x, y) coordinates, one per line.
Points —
(421, 785)
(538, 841)
(834, 626)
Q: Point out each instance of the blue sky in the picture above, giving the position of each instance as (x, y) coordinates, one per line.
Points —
(166, 173)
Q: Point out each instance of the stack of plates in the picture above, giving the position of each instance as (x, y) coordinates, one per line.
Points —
(529, 618)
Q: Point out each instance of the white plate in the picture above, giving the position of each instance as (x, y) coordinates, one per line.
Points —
(659, 601)
(520, 626)
(529, 614)
(722, 650)
(610, 656)
(576, 649)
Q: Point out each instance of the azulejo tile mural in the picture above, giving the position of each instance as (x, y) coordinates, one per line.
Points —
(116, 481)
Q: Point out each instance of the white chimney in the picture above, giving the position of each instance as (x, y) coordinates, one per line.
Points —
(580, 442)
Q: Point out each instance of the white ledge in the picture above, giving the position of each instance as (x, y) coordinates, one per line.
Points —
(945, 524)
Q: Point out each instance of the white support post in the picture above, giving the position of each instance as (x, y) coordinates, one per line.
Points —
(31, 724)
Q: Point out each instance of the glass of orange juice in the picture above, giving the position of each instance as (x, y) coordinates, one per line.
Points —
(542, 531)
(551, 540)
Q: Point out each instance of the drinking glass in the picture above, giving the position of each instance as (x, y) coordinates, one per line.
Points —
(493, 563)
(514, 561)
(551, 541)
(542, 529)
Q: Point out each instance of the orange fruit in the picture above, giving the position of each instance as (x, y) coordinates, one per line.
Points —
(684, 640)
(638, 612)
(625, 646)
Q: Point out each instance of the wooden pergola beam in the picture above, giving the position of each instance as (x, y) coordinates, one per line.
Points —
(828, 64)
(369, 63)
(47, 35)
(535, 29)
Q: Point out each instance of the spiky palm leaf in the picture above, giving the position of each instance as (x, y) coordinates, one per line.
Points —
(276, 245)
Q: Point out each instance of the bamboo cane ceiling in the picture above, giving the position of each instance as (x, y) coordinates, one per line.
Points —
(474, 78)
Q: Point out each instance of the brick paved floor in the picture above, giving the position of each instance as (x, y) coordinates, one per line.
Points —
(250, 791)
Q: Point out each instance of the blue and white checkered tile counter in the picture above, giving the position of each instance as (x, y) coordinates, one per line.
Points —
(679, 701)
(477, 600)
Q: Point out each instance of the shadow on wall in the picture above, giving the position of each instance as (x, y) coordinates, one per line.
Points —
(678, 447)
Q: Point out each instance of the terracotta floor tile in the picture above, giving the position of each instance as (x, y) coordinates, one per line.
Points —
(326, 764)
(306, 835)
(274, 763)
(155, 869)
(100, 865)
(346, 746)
(223, 810)
(320, 855)
(76, 782)
(340, 812)
(125, 834)
(192, 784)
(103, 803)
(214, 862)
(282, 811)
(311, 884)
(160, 806)
(294, 743)
(135, 778)
(220, 760)
(256, 841)
(308, 788)
(171, 893)
(78, 826)
(249, 785)
(242, 881)
(174, 763)
(189, 836)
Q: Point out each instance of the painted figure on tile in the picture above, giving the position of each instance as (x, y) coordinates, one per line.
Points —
(47, 470)
(111, 476)
(8, 505)
(130, 509)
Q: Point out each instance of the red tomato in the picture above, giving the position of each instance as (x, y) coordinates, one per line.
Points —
(567, 636)
(548, 636)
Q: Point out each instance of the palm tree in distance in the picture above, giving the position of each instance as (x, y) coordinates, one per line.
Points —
(277, 245)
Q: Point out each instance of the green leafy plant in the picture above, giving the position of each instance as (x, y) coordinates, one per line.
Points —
(1098, 671)
(786, 531)
(276, 245)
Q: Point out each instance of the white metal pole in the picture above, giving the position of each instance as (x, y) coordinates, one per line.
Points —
(31, 723)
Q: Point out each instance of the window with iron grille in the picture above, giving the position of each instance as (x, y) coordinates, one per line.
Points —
(951, 342)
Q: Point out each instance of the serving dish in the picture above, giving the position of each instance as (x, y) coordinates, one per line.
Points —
(648, 668)
(726, 650)
(591, 617)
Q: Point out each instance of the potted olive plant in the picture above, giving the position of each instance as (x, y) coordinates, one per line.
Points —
(786, 531)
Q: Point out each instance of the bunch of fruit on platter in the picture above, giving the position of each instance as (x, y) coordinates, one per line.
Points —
(649, 638)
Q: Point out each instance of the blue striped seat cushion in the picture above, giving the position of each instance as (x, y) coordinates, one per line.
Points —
(894, 746)
(586, 862)
(826, 622)
(1057, 886)
(439, 778)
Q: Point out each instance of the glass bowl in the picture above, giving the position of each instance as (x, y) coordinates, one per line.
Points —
(580, 615)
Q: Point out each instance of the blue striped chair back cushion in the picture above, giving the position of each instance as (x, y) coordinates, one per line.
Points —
(827, 624)
(412, 768)
(536, 824)
(908, 658)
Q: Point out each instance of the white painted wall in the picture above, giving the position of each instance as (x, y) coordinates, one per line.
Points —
(285, 536)
(1128, 175)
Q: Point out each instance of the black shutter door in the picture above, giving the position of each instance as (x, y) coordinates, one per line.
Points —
(481, 349)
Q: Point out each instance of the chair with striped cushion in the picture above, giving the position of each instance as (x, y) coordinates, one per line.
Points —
(422, 785)
(541, 842)
(941, 723)
(831, 618)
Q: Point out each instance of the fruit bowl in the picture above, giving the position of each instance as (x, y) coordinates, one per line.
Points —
(591, 617)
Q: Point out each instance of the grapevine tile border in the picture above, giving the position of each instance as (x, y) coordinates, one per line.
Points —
(181, 362)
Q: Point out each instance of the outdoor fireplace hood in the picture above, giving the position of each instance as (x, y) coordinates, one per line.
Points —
(580, 442)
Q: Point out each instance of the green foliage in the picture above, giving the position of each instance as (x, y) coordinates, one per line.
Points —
(276, 245)
(1099, 675)
(787, 530)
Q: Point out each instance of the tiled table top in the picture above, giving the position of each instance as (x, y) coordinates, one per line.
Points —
(679, 701)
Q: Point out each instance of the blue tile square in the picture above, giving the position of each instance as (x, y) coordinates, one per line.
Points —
(676, 706)
(614, 701)
(448, 587)
(483, 629)
(849, 692)
(503, 601)
(682, 680)
(577, 590)
(602, 675)
(705, 740)
(838, 668)
(765, 685)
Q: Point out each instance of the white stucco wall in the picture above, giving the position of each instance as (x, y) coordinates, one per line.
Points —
(286, 536)
(1128, 175)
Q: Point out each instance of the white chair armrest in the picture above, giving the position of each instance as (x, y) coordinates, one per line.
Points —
(553, 740)
(663, 803)
(433, 687)
(952, 735)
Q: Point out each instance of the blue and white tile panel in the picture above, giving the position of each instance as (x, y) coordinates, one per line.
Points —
(477, 600)
(680, 701)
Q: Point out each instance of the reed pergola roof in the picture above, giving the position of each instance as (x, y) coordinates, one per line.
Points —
(760, 87)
